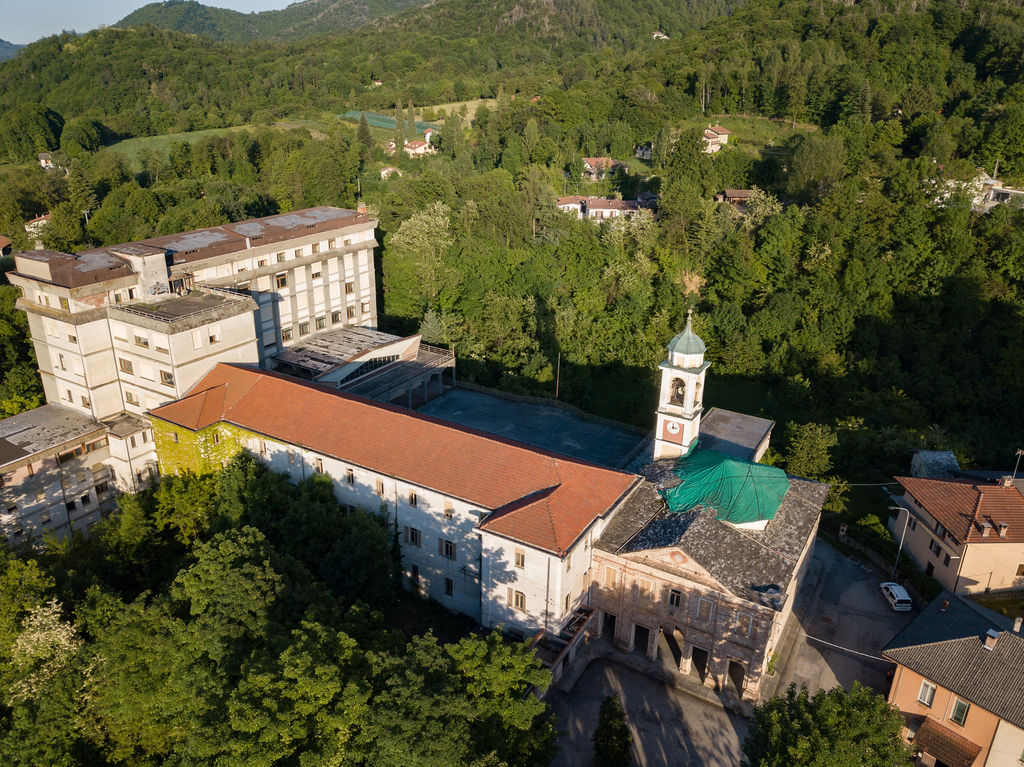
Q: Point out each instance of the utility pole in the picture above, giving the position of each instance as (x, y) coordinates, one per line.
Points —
(558, 373)
(899, 551)
(1017, 465)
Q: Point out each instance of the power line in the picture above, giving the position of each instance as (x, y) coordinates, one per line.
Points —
(845, 649)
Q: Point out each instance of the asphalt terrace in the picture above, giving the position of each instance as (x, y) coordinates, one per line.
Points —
(545, 426)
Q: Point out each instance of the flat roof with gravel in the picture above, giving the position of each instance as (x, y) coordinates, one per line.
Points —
(546, 426)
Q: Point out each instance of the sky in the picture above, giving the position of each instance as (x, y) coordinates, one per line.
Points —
(24, 21)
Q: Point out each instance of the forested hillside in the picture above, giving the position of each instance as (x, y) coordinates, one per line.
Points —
(236, 619)
(848, 298)
(302, 19)
(156, 81)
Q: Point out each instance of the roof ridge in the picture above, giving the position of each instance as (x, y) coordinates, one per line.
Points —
(418, 416)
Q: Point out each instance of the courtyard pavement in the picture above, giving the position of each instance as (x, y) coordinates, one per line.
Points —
(848, 611)
(544, 426)
(670, 727)
(677, 721)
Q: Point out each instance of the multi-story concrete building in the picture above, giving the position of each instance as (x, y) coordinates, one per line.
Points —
(123, 329)
(54, 473)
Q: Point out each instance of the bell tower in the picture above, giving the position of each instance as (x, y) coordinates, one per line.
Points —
(680, 401)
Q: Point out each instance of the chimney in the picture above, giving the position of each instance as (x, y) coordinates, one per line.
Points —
(1003, 527)
(990, 639)
(1016, 624)
(986, 528)
(1006, 481)
(361, 207)
(248, 243)
(945, 606)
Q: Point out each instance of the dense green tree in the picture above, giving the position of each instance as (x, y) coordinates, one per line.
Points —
(613, 740)
(845, 728)
(27, 129)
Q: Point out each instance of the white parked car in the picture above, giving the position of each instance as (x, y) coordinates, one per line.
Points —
(897, 597)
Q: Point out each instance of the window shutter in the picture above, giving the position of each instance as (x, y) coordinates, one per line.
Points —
(405, 533)
(511, 597)
(440, 546)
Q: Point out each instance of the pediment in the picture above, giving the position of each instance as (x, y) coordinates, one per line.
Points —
(675, 563)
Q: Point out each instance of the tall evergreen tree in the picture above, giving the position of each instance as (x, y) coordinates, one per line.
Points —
(612, 738)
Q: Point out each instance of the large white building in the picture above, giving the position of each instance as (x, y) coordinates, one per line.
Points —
(495, 529)
(120, 330)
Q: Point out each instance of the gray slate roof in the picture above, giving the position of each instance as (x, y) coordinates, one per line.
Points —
(757, 566)
(948, 647)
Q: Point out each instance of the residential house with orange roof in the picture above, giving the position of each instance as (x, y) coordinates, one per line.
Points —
(595, 168)
(715, 137)
(596, 208)
(966, 533)
(959, 683)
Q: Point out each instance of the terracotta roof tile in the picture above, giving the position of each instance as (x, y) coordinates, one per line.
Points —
(947, 746)
(963, 506)
(540, 498)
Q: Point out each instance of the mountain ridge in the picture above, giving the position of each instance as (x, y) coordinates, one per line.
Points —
(296, 21)
(9, 50)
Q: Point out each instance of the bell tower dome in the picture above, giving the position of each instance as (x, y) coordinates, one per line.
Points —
(680, 401)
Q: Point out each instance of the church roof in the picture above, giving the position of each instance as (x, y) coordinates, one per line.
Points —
(687, 342)
(536, 497)
(741, 492)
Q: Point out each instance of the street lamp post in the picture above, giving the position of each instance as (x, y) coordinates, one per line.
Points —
(899, 551)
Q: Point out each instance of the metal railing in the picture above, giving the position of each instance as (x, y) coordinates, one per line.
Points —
(132, 309)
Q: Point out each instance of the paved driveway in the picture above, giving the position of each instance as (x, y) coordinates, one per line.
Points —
(850, 612)
(669, 726)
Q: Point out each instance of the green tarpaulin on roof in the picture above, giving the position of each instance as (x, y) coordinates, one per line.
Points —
(740, 491)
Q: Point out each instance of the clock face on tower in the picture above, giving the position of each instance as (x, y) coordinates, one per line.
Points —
(672, 431)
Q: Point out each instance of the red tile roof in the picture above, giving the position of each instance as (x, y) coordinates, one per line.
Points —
(539, 498)
(963, 506)
(602, 162)
(944, 744)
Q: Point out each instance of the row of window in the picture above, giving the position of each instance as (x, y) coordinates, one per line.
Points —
(413, 536)
(350, 479)
(926, 696)
(128, 368)
(287, 334)
(70, 504)
(449, 584)
(282, 256)
(744, 624)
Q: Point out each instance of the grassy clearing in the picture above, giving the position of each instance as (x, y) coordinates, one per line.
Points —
(754, 134)
(453, 107)
(133, 149)
(1010, 605)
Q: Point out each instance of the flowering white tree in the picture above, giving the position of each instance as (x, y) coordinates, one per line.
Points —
(43, 648)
